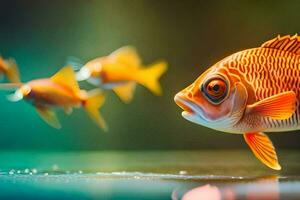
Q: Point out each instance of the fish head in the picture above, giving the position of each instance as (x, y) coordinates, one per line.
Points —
(91, 69)
(215, 100)
(21, 93)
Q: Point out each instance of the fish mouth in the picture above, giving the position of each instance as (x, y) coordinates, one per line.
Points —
(184, 104)
(190, 109)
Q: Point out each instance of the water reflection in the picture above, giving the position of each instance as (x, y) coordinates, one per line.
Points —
(265, 188)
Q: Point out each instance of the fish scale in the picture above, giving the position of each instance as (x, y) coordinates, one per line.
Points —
(261, 68)
(258, 90)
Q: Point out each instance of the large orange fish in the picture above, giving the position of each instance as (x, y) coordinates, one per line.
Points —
(60, 91)
(9, 68)
(250, 92)
(120, 71)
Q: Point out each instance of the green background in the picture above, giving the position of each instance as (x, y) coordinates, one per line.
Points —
(190, 35)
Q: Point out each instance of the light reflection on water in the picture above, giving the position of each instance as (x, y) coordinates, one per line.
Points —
(145, 175)
(261, 188)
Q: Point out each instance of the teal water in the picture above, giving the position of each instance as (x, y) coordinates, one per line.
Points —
(146, 175)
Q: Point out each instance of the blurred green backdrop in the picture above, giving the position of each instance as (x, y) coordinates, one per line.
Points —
(190, 35)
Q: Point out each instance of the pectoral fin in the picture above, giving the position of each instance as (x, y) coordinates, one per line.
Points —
(49, 116)
(95, 101)
(280, 106)
(263, 149)
(125, 92)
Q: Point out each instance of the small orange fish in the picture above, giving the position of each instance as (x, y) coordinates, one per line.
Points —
(9, 68)
(120, 71)
(61, 90)
(250, 92)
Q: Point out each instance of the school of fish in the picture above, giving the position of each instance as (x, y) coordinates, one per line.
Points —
(249, 92)
(120, 72)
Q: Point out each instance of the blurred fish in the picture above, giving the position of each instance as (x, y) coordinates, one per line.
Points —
(61, 90)
(250, 92)
(264, 188)
(203, 192)
(120, 71)
(9, 69)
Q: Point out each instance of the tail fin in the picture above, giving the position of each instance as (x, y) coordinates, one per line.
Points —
(12, 72)
(149, 77)
(94, 101)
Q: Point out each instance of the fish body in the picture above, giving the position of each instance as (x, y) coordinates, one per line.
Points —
(121, 71)
(9, 68)
(45, 92)
(60, 91)
(250, 92)
(266, 72)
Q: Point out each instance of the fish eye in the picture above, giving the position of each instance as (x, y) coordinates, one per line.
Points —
(215, 89)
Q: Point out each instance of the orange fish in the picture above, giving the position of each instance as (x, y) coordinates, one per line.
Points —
(250, 92)
(9, 69)
(61, 90)
(120, 71)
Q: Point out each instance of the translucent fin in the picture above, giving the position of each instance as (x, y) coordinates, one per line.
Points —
(68, 110)
(263, 149)
(125, 92)
(126, 55)
(49, 116)
(10, 86)
(75, 62)
(1, 76)
(285, 43)
(94, 101)
(12, 72)
(280, 106)
(66, 76)
(149, 77)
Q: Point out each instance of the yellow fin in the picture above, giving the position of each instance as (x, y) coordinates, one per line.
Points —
(280, 106)
(12, 71)
(126, 55)
(49, 116)
(125, 92)
(285, 43)
(94, 101)
(66, 76)
(263, 149)
(149, 77)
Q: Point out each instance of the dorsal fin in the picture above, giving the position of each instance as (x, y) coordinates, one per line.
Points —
(126, 55)
(66, 76)
(285, 43)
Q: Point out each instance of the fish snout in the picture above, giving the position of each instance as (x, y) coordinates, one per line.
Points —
(19, 94)
(182, 100)
(83, 74)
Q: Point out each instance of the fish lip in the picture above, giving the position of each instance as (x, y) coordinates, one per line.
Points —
(189, 107)
(183, 104)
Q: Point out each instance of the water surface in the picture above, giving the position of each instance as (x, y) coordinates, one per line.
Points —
(232, 174)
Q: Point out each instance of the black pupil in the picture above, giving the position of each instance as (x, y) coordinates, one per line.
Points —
(216, 88)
